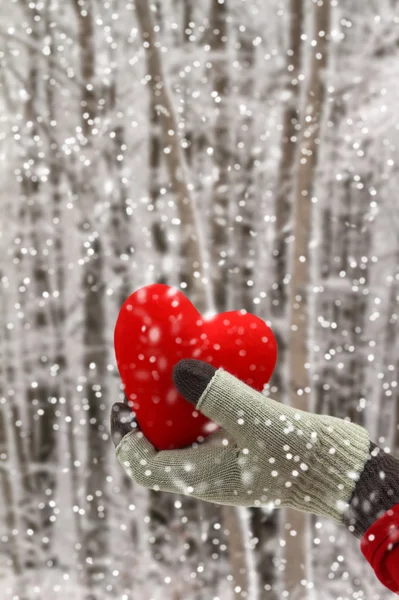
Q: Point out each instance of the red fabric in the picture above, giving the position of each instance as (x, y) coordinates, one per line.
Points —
(157, 326)
(380, 546)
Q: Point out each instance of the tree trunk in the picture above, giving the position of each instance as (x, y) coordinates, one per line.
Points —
(242, 272)
(283, 202)
(190, 247)
(241, 291)
(284, 188)
(17, 404)
(188, 7)
(12, 537)
(284, 193)
(387, 413)
(155, 163)
(42, 390)
(96, 541)
(222, 151)
(295, 530)
(329, 263)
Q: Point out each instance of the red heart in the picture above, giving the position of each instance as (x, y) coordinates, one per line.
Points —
(157, 326)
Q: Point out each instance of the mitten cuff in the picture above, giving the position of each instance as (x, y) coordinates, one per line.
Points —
(375, 493)
(336, 464)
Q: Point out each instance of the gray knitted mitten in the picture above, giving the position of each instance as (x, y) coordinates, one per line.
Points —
(264, 453)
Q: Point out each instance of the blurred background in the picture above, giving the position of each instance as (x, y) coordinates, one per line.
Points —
(245, 151)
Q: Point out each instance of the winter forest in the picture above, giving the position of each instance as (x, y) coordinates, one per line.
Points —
(244, 151)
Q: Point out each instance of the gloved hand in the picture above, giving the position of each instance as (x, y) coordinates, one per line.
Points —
(265, 452)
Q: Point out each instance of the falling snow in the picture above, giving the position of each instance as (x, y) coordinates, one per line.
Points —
(168, 142)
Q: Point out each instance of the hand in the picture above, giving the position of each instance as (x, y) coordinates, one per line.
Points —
(265, 452)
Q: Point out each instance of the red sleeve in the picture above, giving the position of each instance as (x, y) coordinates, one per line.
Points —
(380, 546)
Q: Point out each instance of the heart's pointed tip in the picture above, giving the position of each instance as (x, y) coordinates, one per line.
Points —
(191, 377)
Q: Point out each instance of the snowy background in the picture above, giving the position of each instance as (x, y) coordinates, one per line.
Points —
(245, 151)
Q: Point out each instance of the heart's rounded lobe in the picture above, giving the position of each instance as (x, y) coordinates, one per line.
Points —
(157, 326)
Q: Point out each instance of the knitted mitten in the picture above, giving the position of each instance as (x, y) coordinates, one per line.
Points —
(265, 452)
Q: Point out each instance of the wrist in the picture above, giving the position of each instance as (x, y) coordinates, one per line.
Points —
(375, 493)
(336, 464)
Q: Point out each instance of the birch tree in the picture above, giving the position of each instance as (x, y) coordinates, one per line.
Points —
(42, 391)
(289, 141)
(284, 190)
(160, 95)
(222, 149)
(96, 542)
(294, 531)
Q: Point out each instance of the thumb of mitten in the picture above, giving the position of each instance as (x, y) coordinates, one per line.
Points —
(191, 378)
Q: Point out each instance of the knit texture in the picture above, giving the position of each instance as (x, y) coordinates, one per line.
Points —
(265, 452)
(375, 493)
(377, 489)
